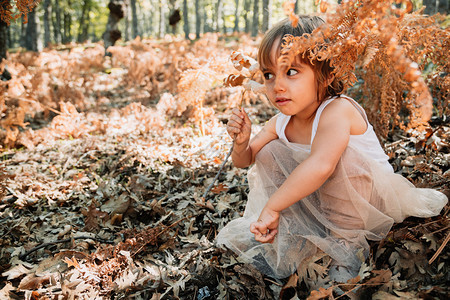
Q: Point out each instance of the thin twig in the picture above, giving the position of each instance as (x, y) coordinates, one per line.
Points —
(440, 249)
(355, 286)
(426, 224)
(274, 282)
(47, 107)
(22, 256)
(218, 173)
(442, 229)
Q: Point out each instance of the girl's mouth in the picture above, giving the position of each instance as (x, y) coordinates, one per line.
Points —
(282, 101)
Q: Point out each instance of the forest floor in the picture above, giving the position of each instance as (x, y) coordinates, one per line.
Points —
(106, 201)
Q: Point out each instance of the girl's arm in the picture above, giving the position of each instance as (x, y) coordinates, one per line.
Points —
(245, 150)
(332, 137)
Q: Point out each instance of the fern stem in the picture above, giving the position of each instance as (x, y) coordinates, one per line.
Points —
(227, 157)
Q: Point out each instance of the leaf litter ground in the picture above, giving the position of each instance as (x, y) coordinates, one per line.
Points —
(107, 203)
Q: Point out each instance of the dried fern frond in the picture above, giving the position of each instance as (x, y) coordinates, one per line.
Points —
(289, 10)
(24, 7)
(388, 47)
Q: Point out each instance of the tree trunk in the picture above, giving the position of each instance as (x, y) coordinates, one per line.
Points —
(23, 29)
(246, 15)
(117, 9)
(31, 37)
(224, 23)
(67, 25)
(267, 12)
(87, 22)
(134, 20)
(46, 22)
(151, 15)
(3, 35)
(185, 20)
(10, 41)
(162, 18)
(56, 22)
(255, 23)
(206, 27)
(218, 15)
(83, 29)
(198, 20)
(236, 17)
(5, 75)
(127, 33)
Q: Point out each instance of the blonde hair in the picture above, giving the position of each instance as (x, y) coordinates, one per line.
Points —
(322, 69)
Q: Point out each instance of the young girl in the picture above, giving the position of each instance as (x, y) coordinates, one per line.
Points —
(320, 178)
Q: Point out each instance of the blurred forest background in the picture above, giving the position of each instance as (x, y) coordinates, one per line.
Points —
(112, 134)
(60, 22)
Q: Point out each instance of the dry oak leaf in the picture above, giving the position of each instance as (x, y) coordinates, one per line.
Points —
(4, 292)
(219, 188)
(31, 282)
(239, 60)
(292, 283)
(312, 269)
(321, 293)
(234, 80)
(92, 216)
(16, 272)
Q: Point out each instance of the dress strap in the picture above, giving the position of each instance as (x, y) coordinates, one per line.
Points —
(317, 117)
(328, 101)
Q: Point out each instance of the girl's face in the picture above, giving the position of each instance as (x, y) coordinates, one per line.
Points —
(292, 91)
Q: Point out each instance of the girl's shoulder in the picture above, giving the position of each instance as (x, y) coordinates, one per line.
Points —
(345, 107)
(271, 124)
(340, 103)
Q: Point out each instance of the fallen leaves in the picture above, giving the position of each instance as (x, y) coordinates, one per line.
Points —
(106, 201)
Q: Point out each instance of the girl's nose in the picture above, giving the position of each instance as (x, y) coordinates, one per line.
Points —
(279, 84)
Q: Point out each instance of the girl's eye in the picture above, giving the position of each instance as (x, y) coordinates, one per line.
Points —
(291, 72)
(268, 76)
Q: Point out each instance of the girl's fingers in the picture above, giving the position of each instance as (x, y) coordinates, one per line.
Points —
(233, 130)
(266, 238)
(257, 228)
(245, 116)
(262, 233)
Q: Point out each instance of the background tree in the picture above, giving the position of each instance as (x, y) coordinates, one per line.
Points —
(267, 12)
(56, 20)
(218, 15)
(236, 16)
(255, 21)
(198, 20)
(117, 9)
(6, 16)
(46, 19)
(83, 28)
(67, 21)
(31, 36)
(186, 20)
(134, 22)
(162, 18)
(3, 32)
(247, 4)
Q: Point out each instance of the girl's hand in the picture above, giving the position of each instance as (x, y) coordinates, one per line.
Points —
(239, 126)
(265, 229)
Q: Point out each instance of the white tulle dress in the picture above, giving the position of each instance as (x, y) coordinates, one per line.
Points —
(359, 202)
